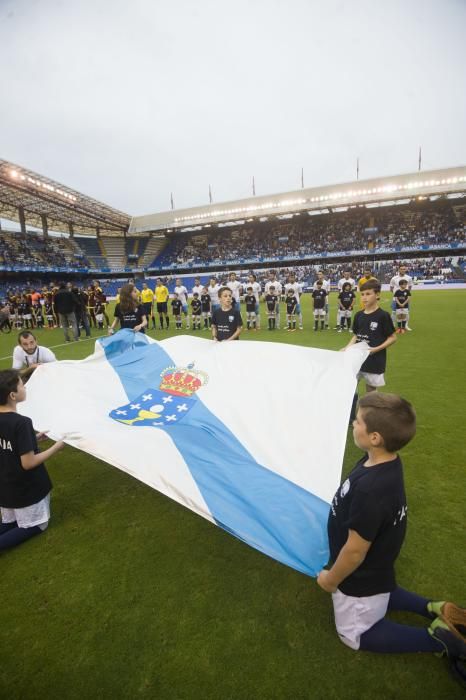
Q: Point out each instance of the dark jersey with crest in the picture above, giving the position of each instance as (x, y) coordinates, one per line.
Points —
(271, 301)
(176, 307)
(346, 299)
(400, 296)
(196, 307)
(318, 296)
(205, 303)
(250, 300)
(291, 304)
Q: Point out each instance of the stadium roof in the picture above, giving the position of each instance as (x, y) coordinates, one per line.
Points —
(64, 209)
(361, 192)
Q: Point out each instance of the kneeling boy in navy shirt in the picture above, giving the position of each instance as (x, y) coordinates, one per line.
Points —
(366, 530)
(24, 482)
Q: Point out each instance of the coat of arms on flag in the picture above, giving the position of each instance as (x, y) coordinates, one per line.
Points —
(168, 404)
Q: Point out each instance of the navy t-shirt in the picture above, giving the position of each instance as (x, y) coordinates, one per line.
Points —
(402, 295)
(226, 322)
(374, 328)
(19, 487)
(129, 319)
(372, 501)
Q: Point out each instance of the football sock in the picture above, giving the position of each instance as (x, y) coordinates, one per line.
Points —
(248, 325)
(316, 325)
(322, 323)
(294, 325)
(401, 599)
(167, 321)
(348, 320)
(4, 527)
(17, 536)
(387, 637)
(403, 324)
(273, 323)
(161, 322)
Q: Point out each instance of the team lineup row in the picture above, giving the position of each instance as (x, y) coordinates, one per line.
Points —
(205, 300)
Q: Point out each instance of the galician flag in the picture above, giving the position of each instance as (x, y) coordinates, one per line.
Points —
(250, 435)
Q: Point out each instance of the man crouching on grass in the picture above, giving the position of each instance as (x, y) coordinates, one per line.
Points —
(366, 530)
(24, 482)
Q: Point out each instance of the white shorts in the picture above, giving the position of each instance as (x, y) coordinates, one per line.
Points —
(345, 313)
(37, 514)
(319, 313)
(402, 312)
(372, 379)
(354, 616)
(27, 317)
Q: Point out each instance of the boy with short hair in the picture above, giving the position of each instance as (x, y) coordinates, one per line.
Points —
(227, 323)
(196, 311)
(251, 305)
(291, 304)
(177, 307)
(374, 326)
(367, 275)
(401, 299)
(395, 286)
(298, 290)
(319, 295)
(345, 306)
(206, 307)
(366, 529)
(271, 301)
(24, 482)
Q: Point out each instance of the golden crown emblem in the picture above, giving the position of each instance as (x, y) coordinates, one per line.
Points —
(182, 381)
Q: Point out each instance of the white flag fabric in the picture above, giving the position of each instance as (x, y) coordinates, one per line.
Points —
(250, 435)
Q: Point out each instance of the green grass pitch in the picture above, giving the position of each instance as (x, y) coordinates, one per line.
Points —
(129, 595)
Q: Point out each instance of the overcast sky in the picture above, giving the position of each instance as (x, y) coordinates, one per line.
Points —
(129, 100)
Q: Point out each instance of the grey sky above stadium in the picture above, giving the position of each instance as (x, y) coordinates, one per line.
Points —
(129, 101)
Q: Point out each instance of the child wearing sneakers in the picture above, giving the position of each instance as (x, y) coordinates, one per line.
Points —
(374, 326)
(345, 306)
(401, 299)
(366, 529)
(196, 307)
(291, 304)
(251, 305)
(319, 297)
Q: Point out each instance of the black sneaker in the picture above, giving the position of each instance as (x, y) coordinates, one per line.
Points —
(453, 646)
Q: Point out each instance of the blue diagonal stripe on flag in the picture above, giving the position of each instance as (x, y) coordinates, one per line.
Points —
(257, 505)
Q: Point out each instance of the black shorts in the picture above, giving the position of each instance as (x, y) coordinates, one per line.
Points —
(162, 307)
(147, 307)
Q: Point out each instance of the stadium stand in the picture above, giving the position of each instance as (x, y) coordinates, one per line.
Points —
(92, 251)
(33, 250)
(349, 233)
(135, 249)
(153, 250)
(113, 250)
